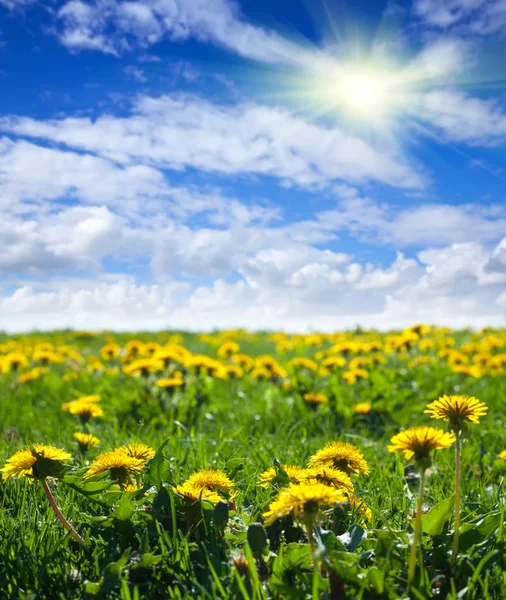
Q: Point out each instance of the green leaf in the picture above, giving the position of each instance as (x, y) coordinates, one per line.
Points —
(377, 580)
(124, 509)
(434, 521)
(357, 534)
(158, 469)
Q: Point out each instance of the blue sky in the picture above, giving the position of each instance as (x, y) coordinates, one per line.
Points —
(284, 165)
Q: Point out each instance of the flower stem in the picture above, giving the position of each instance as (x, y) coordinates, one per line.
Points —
(418, 526)
(59, 513)
(310, 536)
(456, 530)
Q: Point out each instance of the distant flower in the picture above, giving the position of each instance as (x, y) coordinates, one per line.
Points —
(227, 349)
(363, 408)
(33, 374)
(85, 410)
(86, 440)
(342, 456)
(110, 351)
(170, 382)
(144, 366)
(360, 508)
(304, 502)
(315, 398)
(24, 462)
(457, 410)
(419, 441)
(294, 473)
(503, 455)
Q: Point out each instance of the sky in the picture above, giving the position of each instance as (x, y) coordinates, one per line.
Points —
(267, 164)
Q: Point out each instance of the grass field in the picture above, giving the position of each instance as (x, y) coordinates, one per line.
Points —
(242, 404)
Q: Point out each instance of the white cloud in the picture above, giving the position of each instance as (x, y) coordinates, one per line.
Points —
(178, 132)
(33, 174)
(462, 118)
(327, 291)
(433, 224)
(115, 26)
(17, 4)
(481, 17)
(135, 73)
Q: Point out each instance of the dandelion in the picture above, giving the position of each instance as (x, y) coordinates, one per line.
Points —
(37, 463)
(86, 440)
(205, 484)
(138, 450)
(363, 408)
(457, 411)
(315, 398)
(170, 383)
(418, 442)
(359, 508)
(227, 349)
(502, 456)
(84, 410)
(118, 464)
(305, 503)
(294, 473)
(24, 462)
(345, 457)
(110, 351)
(328, 476)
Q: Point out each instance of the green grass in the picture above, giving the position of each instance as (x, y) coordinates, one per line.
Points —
(154, 546)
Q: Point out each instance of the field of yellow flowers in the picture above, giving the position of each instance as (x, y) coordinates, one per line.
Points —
(253, 465)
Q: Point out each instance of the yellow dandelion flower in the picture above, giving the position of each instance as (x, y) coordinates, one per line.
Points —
(503, 455)
(304, 501)
(93, 398)
(144, 366)
(233, 372)
(24, 462)
(457, 410)
(170, 382)
(301, 362)
(363, 408)
(212, 479)
(86, 440)
(243, 360)
(315, 398)
(83, 409)
(328, 476)
(419, 441)
(33, 374)
(345, 457)
(227, 349)
(120, 466)
(334, 362)
(205, 483)
(137, 450)
(195, 493)
(360, 508)
(292, 471)
(110, 351)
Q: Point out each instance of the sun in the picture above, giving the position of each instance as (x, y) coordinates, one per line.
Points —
(368, 92)
(363, 91)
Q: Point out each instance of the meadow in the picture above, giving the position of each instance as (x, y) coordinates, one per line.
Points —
(252, 465)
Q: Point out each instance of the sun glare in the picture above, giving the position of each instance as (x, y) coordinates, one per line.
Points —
(363, 91)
